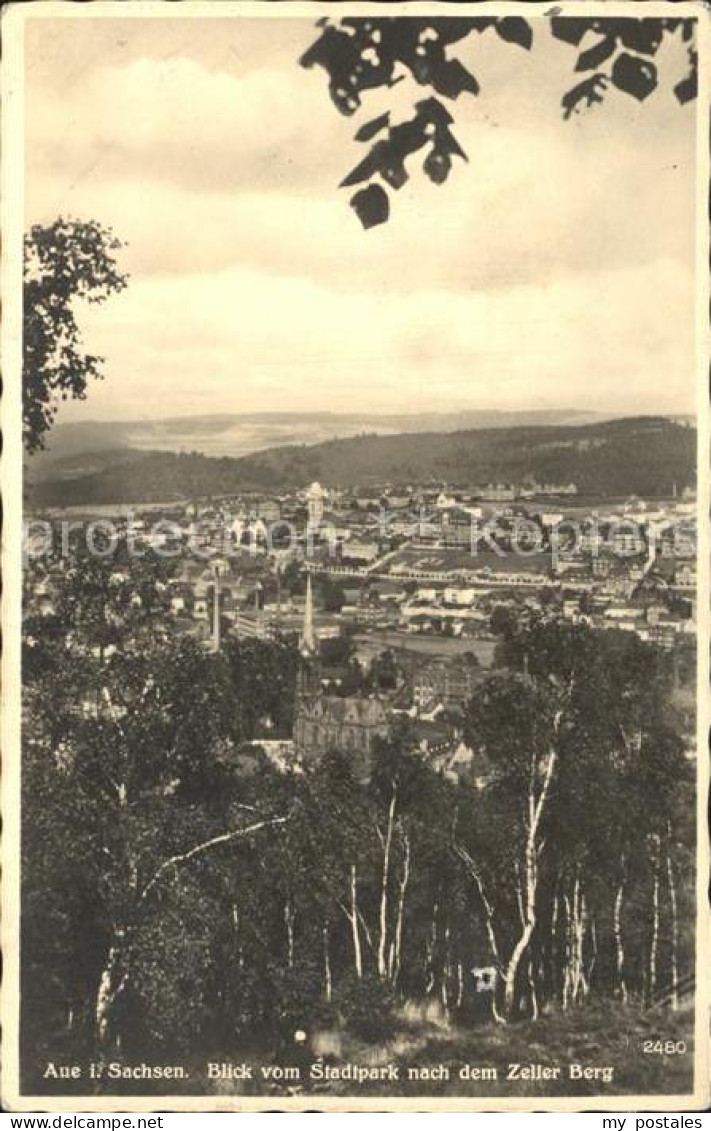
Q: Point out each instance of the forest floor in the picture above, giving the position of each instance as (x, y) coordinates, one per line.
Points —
(636, 1052)
(602, 1036)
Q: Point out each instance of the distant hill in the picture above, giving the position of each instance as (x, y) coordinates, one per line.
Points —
(641, 455)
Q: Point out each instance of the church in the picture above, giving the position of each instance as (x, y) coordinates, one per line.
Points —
(322, 722)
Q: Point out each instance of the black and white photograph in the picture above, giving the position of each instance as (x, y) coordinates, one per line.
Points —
(355, 561)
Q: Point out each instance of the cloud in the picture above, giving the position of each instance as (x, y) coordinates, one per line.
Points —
(173, 121)
(537, 271)
(496, 222)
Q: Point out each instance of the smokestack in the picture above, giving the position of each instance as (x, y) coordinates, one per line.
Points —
(308, 639)
(216, 612)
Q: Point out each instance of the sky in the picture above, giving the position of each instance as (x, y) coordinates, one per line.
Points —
(554, 269)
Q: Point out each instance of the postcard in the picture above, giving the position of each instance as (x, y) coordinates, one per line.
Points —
(355, 558)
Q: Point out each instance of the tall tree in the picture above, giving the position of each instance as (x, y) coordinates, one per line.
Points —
(64, 262)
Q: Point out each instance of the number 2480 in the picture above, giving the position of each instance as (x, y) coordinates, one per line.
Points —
(664, 1048)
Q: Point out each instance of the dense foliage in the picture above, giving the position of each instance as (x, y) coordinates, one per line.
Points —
(64, 262)
(181, 892)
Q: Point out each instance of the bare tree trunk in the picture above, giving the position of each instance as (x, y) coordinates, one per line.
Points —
(654, 943)
(430, 950)
(533, 996)
(521, 944)
(460, 985)
(327, 980)
(533, 999)
(383, 939)
(617, 932)
(519, 894)
(397, 959)
(567, 978)
(593, 955)
(674, 956)
(444, 987)
(289, 917)
(111, 983)
(553, 963)
(357, 955)
(535, 810)
(583, 985)
(236, 925)
(576, 984)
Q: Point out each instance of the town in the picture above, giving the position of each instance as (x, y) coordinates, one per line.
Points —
(398, 599)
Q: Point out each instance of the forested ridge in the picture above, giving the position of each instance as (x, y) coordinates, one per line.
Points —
(645, 455)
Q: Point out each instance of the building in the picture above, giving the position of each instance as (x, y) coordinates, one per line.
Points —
(457, 526)
(445, 682)
(347, 724)
(315, 499)
(251, 626)
(360, 550)
(269, 510)
(498, 493)
(453, 595)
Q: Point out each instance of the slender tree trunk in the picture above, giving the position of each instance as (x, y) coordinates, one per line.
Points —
(575, 975)
(583, 984)
(357, 955)
(111, 983)
(289, 917)
(236, 925)
(535, 810)
(532, 994)
(576, 985)
(391, 960)
(401, 913)
(654, 943)
(532, 997)
(327, 980)
(567, 962)
(579, 927)
(444, 986)
(383, 939)
(430, 950)
(674, 956)
(593, 955)
(523, 940)
(553, 953)
(460, 985)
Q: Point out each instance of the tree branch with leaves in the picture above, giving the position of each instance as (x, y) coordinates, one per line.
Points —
(362, 54)
(64, 262)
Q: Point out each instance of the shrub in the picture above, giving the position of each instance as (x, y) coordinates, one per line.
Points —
(365, 1007)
